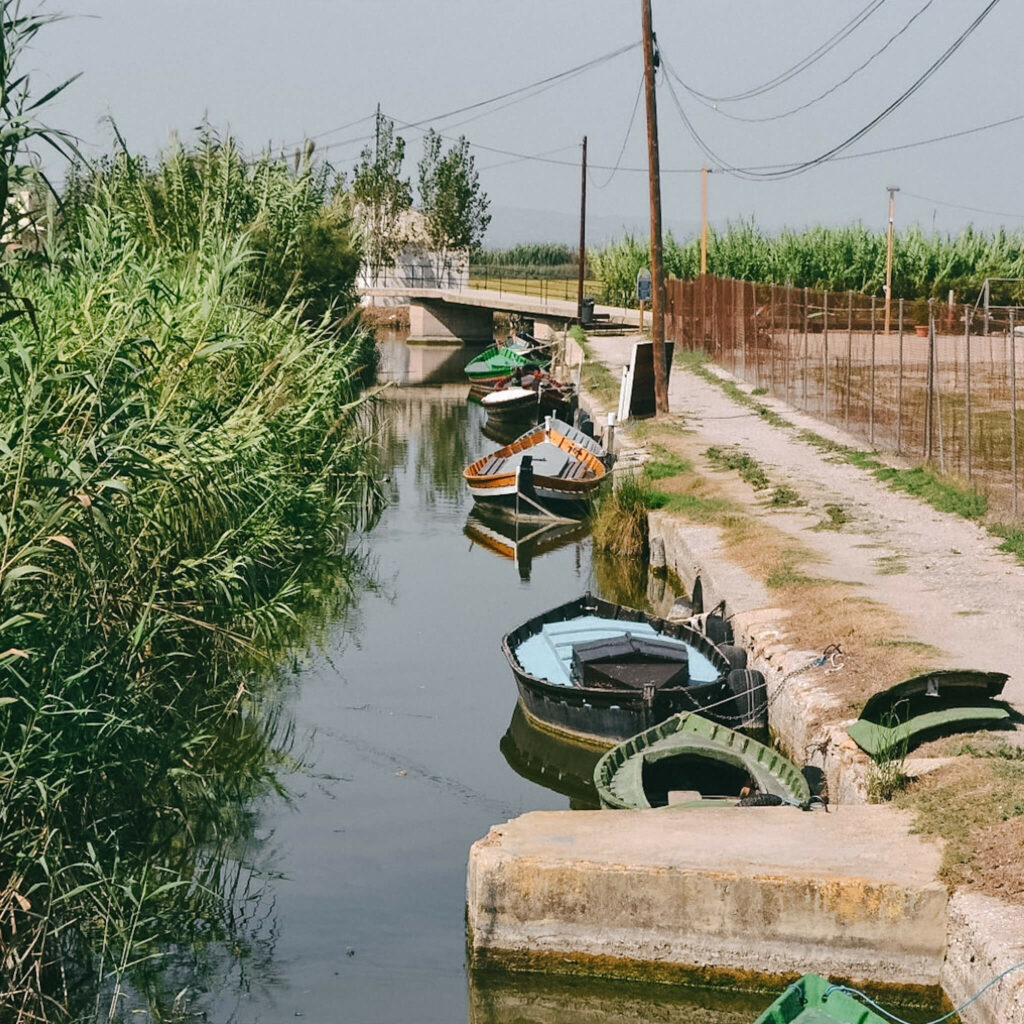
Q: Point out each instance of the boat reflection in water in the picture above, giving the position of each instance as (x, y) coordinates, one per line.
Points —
(498, 997)
(554, 762)
(521, 541)
(504, 432)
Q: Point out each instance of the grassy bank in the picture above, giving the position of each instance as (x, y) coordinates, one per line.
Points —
(184, 453)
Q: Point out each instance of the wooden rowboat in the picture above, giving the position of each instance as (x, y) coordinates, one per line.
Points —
(689, 759)
(815, 1000)
(550, 472)
(600, 672)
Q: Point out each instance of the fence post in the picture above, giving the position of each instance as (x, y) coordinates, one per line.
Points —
(967, 409)
(824, 355)
(1013, 413)
(849, 355)
(871, 404)
(899, 387)
(929, 412)
(786, 368)
(806, 355)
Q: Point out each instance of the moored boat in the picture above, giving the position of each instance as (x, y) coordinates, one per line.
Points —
(503, 359)
(815, 1000)
(598, 670)
(690, 760)
(513, 400)
(551, 471)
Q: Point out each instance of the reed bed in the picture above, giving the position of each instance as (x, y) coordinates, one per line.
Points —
(185, 452)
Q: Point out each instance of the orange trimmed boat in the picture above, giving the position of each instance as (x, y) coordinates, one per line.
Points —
(550, 472)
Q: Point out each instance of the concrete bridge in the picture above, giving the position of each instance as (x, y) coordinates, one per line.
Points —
(450, 316)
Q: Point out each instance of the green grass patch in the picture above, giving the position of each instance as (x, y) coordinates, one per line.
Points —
(890, 565)
(920, 482)
(785, 497)
(749, 469)
(1012, 538)
(596, 377)
(666, 464)
(836, 517)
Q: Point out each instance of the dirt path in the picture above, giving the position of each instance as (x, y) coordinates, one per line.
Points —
(940, 574)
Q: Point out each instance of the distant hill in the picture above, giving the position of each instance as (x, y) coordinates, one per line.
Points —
(515, 225)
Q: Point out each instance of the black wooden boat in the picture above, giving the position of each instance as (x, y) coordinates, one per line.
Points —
(597, 670)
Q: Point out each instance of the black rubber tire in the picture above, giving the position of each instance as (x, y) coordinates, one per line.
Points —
(760, 800)
(750, 698)
(718, 629)
(736, 656)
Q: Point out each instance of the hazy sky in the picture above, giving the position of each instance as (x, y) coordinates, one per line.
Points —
(275, 71)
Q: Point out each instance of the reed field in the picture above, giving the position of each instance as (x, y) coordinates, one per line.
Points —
(185, 451)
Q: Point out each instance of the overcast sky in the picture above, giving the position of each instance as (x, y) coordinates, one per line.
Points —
(276, 71)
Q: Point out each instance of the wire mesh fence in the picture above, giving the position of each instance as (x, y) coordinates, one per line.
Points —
(941, 385)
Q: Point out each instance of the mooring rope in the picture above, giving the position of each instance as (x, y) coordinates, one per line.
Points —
(938, 1020)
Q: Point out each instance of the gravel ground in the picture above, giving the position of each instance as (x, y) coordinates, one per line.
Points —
(941, 574)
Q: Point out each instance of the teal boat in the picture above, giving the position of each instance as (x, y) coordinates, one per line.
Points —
(501, 361)
(815, 1000)
(688, 760)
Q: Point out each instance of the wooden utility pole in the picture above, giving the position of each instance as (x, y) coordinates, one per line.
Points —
(703, 221)
(657, 267)
(888, 255)
(583, 232)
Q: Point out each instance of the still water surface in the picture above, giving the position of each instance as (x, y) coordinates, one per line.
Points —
(400, 725)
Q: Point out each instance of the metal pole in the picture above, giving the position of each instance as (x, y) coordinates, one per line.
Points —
(1013, 412)
(888, 254)
(654, 173)
(703, 221)
(929, 412)
(824, 353)
(583, 232)
(899, 388)
(988, 295)
(806, 327)
(849, 354)
(967, 408)
(871, 404)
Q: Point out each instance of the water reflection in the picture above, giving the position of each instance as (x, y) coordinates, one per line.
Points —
(521, 541)
(551, 761)
(498, 998)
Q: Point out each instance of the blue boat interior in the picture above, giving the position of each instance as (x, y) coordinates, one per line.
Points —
(548, 654)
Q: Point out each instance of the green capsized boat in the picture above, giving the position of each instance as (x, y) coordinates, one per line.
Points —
(689, 760)
(814, 1000)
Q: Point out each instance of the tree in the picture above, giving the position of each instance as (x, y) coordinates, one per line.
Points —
(453, 204)
(381, 197)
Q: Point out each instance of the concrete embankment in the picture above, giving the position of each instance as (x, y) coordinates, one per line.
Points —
(743, 894)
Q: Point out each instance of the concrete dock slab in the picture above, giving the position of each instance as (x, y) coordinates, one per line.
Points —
(674, 894)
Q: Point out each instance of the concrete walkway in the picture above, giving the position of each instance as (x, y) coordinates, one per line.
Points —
(941, 574)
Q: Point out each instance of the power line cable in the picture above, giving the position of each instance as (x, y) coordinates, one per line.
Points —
(960, 206)
(828, 92)
(629, 131)
(812, 58)
(799, 168)
(548, 80)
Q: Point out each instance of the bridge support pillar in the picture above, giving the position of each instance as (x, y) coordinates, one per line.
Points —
(431, 320)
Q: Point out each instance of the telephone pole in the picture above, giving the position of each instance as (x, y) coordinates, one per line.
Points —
(703, 221)
(888, 254)
(583, 232)
(651, 61)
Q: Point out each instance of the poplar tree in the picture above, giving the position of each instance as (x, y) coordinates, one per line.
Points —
(453, 204)
(381, 197)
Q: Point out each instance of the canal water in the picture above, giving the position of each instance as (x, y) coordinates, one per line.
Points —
(409, 750)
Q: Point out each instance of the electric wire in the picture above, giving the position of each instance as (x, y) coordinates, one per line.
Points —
(828, 92)
(548, 80)
(625, 140)
(812, 58)
(938, 1020)
(799, 168)
(960, 206)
